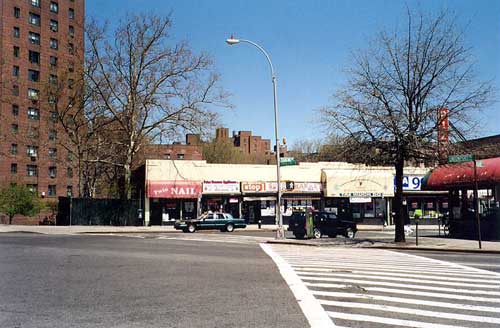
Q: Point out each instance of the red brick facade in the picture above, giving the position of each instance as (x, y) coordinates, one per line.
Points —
(40, 40)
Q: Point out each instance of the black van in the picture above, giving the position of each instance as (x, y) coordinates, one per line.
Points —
(325, 224)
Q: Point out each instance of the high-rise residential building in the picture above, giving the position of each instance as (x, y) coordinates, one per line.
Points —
(41, 42)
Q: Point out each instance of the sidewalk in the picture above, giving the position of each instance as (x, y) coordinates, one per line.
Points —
(387, 242)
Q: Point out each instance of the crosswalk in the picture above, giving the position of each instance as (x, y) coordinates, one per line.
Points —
(381, 288)
(199, 237)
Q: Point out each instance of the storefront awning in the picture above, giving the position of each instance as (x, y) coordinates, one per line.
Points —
(358, 183)
(453, 176)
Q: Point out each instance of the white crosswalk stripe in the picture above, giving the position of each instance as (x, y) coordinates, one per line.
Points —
(381, 288)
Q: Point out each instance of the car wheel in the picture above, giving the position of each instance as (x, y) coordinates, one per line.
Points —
(317, 233)
(230, 227)
(191, 228)
(349, 233)
(299, 235)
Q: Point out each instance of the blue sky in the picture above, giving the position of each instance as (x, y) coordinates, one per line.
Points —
(310, 43)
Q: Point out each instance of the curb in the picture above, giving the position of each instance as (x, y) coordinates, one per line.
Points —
(413, 248)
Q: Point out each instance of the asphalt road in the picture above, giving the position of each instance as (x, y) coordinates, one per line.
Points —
(112, 281)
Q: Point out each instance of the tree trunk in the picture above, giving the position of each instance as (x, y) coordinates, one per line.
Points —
(10, 219)
(399, 209)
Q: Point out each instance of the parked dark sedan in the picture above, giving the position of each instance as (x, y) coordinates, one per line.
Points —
(219, 221)
(325, 224)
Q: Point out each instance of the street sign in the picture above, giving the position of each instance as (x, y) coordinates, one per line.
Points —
(286, 161)
(460, 158)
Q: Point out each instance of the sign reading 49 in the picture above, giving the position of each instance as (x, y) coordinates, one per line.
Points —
(411, 182)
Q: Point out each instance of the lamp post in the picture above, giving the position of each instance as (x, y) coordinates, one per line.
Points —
(280, 234)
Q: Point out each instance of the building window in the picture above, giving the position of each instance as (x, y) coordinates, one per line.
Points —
(32, 170)
(33, 94)
(16, 51)
(53, 116)
(15, 90)
(15, 71)
(71, 31)
(52, 100)
(33, 114)
(32, 188)
(52, 135)
(16, 32)
(52, 153)
(53, 79)
(32, 151)
(71, 13)
(33, 75)
(54, 7)
(52, 191)
(13, 168)
(15, 110)
(34, 57)
(13, 149)
(71, 83)
(34, 38)
(35, 3)
(71, 48)
(70, 172)
(14, 128)
(54, 44)
(180, 156)
(33, 132)
(71, 67)
(53, 61)
(34, 19)
(69, 191)
(54, 25)
(17, 12)
(52, 171)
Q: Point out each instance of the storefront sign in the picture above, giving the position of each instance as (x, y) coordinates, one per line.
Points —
(221, 187)
(358, 183)
(410, 183)
(173, 189)
(250, 187)
(360, 200)
(360, 194)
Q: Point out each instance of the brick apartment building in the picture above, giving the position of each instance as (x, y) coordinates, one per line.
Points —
(249, 144)
(39, 41)
(191, 150)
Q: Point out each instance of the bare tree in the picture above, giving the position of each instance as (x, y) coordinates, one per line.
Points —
(148, 85)
(396, 87)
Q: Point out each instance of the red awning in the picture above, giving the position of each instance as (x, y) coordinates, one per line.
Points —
(451, 176)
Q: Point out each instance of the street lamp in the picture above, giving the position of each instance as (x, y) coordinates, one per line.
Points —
(280, 234)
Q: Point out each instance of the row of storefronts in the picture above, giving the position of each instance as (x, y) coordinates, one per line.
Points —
(185, 189)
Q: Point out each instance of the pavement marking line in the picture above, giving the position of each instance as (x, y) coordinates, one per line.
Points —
(450, 264)
(417, 266)
(378, 273)
(451, 290)
(480, 264)
(424, 313)
(409, 280)
(388, 321)
(406, 292)
(384, 269)
(455, 306)
(312, 309)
